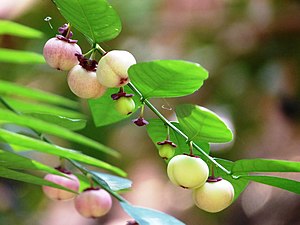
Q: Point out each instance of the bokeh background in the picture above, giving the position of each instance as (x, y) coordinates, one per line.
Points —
(252, 51)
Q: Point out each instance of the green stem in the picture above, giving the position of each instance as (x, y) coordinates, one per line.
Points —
(168, 123)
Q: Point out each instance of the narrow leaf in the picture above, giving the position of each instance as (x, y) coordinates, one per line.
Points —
(30, 143)
(115, 183)
(20, 57)
(265, 165)
(16, 29)
(8, 88)
(96, 19)
(167, 78)
(201, 124)
(283, 183)
(145, 216)
(48, 128)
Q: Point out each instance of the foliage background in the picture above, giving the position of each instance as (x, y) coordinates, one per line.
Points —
(252, 51)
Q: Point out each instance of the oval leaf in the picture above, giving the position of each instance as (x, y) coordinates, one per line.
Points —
(145, 216)
(167, 78)
(96, 19)
(201, 124)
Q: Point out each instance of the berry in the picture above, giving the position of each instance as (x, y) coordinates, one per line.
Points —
(166, 149)
(60, 54)
(58, 194)
(93, 202)
(214, 196)
(113, 66)
(187, 171)
(125, 105)
(84, 83)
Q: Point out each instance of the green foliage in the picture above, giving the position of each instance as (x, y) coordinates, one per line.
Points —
(103, 108)
(145, 216)
(96, 19)
(201, 124)
(21, 57)
(115, 183)
(167, 78)
(11, 28)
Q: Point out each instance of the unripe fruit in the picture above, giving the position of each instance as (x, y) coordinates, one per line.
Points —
(93, 203)
(214, 196)
(112, 68)
(60, 54)
(187, 171)
(58, 194)
(125, 105)
(84, 83)
(166, 151)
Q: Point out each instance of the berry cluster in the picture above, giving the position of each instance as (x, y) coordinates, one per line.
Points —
(88, 78)
(93, 202)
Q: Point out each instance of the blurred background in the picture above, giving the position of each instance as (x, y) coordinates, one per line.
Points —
(252, 51)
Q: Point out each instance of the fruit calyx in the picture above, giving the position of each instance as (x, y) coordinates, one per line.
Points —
(91, 189)
(212, 179)
(140, 121)
(132, 222)
(167, 142)
(63, 170)
(120, 94)
(191, 155)
(87, 64)
(65, 34)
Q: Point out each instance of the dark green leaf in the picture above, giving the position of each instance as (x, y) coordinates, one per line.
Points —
(239, 185)
(68, 123)
(167, 78)
(41, 146)
(15, 29)
(283, 183)
(201, 124)
(103, 108)
(20, 57)
(265, 165)
(48, 128)
(96, 19)
(145, 216)
(8, 88)
(14, 161)
(157, 131)
(28, 178)
(115, 183)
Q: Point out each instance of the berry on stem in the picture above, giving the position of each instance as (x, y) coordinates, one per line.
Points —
(124, 103)
(113, 66)
(167, 149)
(93, 202)
(187, 171)
(71, 183)
(215, 195)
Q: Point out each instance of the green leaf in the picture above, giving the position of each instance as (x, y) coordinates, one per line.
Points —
(96, 19)
(201, 124)
(34, 107)
(68, 123)
(145, 216)
(115, 183)
(30, 143)
(28, 178)
(283, 183)
(53, 129)
(20, 57)
(157, 131)
(265, 165)
(167, 78)
(14, 161)
(103, 108)
(8, 88)
(239, 185)
(15, 29)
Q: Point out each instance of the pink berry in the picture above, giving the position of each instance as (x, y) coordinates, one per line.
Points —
(60, 54)
(58, 194)
(93, 203)
(84, 83)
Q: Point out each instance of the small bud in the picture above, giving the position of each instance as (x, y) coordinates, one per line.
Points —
(93, 203)
(58, 194)
(125, 105)
(60, 54)
(113, 66)
(214, 196)
(166, 149)
(187, 171)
